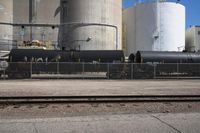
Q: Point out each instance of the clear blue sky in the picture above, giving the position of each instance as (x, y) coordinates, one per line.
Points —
(192, 10)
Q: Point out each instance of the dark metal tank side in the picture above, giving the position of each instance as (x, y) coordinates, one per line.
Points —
(27, 55)
(167, 57)
(104, 56)
(131, 58)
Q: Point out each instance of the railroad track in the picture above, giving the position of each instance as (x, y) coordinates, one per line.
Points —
(99, 99)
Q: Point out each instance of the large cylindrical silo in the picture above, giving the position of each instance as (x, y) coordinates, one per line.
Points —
(6, 15)
(38, 12)
(154, 26)
(87, 36)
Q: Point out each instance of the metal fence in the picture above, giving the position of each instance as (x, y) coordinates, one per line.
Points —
(98, 70)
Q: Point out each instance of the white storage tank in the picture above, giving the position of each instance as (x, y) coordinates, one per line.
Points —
(193, 39)
(91, 37)
(6, 15)
(154, 26)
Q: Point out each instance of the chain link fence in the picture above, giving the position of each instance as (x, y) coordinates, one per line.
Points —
(98, 70)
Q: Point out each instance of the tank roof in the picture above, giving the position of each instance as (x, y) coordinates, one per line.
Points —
(153, 2)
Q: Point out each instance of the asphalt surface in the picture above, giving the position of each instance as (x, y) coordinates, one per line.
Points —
(135, 123)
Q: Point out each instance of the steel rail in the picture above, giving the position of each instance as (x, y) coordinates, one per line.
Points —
(99, 99)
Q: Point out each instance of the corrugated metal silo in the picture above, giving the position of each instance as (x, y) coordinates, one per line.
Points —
(91, 11)
(154, 26)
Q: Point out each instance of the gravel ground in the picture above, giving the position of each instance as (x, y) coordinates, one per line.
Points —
(95, 87)
(68, 110)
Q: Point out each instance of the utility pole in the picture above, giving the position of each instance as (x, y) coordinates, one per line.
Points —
(32, 15)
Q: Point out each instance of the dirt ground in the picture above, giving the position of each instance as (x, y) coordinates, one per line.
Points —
(97, 87)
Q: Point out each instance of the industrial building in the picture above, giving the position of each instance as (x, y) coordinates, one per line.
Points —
(91, 36)
(91, 24)
(86, 25)
(193, 39)
(154, 26)
(35, 12)
(95, 25)
(98, 66)
(24, 12)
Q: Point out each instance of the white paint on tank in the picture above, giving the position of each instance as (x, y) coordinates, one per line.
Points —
(154, 27)
(92, 11)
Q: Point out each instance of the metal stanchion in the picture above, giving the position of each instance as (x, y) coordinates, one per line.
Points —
(108, 71)
(31, 70)
(177, 70)
(58, 70)
(132, 70)
(83, 70)
(4, 74)
(154, 71)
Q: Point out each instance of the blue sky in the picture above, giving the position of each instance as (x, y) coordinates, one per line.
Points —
(192, 10)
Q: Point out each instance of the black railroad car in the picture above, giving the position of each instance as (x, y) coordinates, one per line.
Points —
(24, 62)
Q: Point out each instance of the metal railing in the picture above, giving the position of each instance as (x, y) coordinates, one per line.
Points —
(98, 70)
